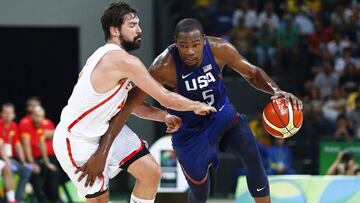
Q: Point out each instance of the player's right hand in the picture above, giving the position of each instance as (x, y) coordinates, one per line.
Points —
(93, 169)
(203, 109)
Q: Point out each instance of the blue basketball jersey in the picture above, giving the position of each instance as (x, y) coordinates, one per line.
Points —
(204, 84)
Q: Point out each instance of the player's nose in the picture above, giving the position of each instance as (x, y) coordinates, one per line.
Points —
(138, 30)
(190, 52)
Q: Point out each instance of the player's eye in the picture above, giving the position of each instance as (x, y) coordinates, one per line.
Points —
(196, 45)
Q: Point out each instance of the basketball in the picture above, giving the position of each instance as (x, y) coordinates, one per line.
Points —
(280, 119)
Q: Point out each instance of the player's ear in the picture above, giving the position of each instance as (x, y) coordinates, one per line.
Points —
(175, 40)
(114, 31)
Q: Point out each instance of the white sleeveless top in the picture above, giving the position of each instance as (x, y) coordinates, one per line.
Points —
(87, 113)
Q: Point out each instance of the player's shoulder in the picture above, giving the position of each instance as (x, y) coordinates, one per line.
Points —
(120, 58)
(164, 60)
(217, 43)
(220, 47)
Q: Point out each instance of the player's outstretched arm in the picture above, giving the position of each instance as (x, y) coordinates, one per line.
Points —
(136, 71)
(226, 53)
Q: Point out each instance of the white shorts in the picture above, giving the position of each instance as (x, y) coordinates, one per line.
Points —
(73, 151)
(2, 165)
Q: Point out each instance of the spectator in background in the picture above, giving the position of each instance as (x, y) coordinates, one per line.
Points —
(292, 6)
(314, 6)
(29, 106)
(343, 132)
(350, 78)
(242, 39)
(317, 66)
(344, 164)
(337, 45)
(249, 15)
(354, 118)
(334, 105)
(318, 40)
(10, 135)
(303, 21)
(326, 80)
(287, 39)
(268, 16)
(351, 99)
(257, 128)
(280, 158)
(346, 59)
(315, 125)
(222, 17)
(39, 143)
(351, 30)
(265, 48)
(340, 16)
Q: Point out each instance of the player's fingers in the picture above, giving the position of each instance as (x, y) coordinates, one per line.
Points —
(300, 104)
(79, 169)
(287, 97)
(91, 180)
(294, 103)
(83, 174)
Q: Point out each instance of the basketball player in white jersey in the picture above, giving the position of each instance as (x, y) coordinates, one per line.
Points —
(101, 92)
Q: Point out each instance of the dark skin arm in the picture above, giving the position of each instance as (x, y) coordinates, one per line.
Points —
(225, 53)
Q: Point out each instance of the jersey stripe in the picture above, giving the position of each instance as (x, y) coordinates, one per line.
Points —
(94, 108)
(68, 146)
(132, 153)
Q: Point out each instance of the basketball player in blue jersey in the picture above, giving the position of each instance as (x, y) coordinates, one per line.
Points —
(192, 66)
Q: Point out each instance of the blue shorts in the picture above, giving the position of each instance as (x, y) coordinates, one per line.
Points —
(197, 149)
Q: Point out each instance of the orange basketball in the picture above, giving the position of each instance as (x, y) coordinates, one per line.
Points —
(280, 119)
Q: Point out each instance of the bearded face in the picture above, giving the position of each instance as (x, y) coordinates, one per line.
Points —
(130, 33)
(130, 44)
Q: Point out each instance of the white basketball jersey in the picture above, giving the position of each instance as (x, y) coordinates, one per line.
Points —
(87, 113)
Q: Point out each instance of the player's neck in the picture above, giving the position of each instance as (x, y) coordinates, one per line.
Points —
(114, 41)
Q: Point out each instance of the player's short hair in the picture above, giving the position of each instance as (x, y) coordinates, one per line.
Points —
(7, 104)
(188, 25)
(114, 16)
(31, 99)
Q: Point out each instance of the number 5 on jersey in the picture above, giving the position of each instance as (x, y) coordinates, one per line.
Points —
(208, 97)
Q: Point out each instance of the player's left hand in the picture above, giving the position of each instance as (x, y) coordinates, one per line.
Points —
(93, 169)
(296, 102)
(172, 122)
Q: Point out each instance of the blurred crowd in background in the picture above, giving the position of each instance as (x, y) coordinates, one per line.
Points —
(27, 151)
(310, 47)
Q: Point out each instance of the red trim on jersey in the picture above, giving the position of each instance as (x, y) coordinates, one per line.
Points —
(132, 153)
(103, 183)
(93, 108)
(70, 153)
